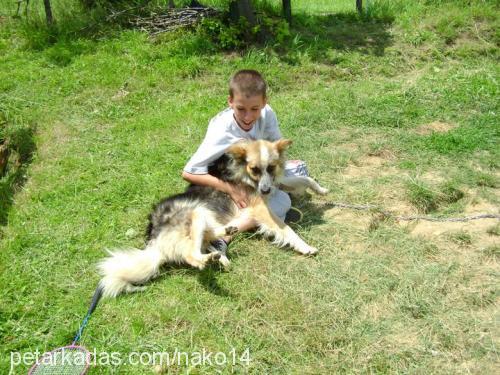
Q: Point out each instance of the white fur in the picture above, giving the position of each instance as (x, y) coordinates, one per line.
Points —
(297, 185)
(264, 155)
(124, 270)
(127, 270)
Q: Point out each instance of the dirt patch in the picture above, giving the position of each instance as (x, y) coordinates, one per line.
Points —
(478, 230)
(355, 219)
(433, 229)
(433, 177)
(435, 127)
(57, 137)
(371, 165)
(401, 337)
(349, 147)
(122, 93)
(481, 207)
(401, 209)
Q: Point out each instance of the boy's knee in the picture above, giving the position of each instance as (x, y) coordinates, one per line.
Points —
(280, 203)
(296, 168)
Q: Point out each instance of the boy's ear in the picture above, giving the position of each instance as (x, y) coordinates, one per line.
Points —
(238, 151)
(282, 144)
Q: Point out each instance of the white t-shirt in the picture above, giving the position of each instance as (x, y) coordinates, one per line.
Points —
(223, 131)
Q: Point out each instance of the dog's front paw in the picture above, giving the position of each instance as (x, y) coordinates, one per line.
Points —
(220, 232)
(322, 191)
(215, 256)
(309, 251)
(224, 262)
(230, 230)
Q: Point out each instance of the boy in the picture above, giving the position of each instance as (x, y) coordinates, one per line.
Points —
(248, 117)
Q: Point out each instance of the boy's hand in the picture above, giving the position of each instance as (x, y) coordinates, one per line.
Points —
(238, 194)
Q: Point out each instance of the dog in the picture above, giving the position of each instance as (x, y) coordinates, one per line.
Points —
(182, 226)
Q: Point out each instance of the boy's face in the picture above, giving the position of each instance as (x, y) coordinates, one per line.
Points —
(246, 109)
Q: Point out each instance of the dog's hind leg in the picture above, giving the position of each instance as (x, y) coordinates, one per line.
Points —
(298, 185)
(194, 256)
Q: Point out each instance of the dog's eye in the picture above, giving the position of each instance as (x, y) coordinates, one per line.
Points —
(271, 168)
(255, 170)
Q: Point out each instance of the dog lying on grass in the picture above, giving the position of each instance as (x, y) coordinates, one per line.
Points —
(182, 226)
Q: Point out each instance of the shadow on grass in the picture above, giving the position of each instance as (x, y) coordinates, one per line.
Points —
(206, 277)
(313, 213)
(342, 32)
(21, 149)
(314, 35)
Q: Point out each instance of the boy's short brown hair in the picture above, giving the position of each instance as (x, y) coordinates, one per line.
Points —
(247, 82)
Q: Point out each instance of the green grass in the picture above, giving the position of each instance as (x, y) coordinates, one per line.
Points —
(104, 120)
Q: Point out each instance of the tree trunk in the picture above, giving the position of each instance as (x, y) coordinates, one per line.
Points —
(359, 5)
(242, 8)
(4, 157)
(287, 10)
(88, 4)
(48, 12)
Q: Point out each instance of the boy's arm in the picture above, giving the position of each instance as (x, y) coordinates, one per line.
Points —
(237, 194)
(272, 127)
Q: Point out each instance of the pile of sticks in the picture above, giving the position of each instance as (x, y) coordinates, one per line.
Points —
(171, 19)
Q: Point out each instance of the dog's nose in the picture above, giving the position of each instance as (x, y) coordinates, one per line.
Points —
(267, 191)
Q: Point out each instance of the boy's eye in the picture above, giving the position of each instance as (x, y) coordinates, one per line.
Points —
(255, 170)
(271, 168)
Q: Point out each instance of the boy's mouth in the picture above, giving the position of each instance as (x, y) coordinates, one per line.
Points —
(244, 124)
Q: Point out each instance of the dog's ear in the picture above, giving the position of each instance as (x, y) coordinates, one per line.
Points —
(238, 151)
(282, 144)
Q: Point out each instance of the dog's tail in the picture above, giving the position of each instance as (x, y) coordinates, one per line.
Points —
(123, 270)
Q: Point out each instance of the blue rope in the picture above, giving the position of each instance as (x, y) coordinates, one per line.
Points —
(95, 300)
(82, 327)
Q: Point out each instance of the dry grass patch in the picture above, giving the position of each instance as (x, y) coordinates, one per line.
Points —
(478, 229)
(435, 127)
(374, 164)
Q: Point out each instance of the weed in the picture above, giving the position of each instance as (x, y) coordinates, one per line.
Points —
(486, 180)
(422, 197)
(492, 251)
(494, 230)
(461, 238)
(427, 199)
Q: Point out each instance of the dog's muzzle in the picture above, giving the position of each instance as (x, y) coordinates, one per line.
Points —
(265, 192)
(265, 184)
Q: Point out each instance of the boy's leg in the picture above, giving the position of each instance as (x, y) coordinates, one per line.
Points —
(296, 179)
(279, 203)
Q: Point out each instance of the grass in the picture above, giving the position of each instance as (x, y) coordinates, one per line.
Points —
(104, 123)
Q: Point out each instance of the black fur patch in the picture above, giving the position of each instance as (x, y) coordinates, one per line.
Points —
(176, 210)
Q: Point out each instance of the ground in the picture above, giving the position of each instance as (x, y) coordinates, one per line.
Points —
(397, 109)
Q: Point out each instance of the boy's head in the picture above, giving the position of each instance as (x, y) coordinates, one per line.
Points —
(247, 83)
(247, 97)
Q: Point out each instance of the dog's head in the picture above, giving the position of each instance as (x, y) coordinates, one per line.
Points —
(259, 163)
